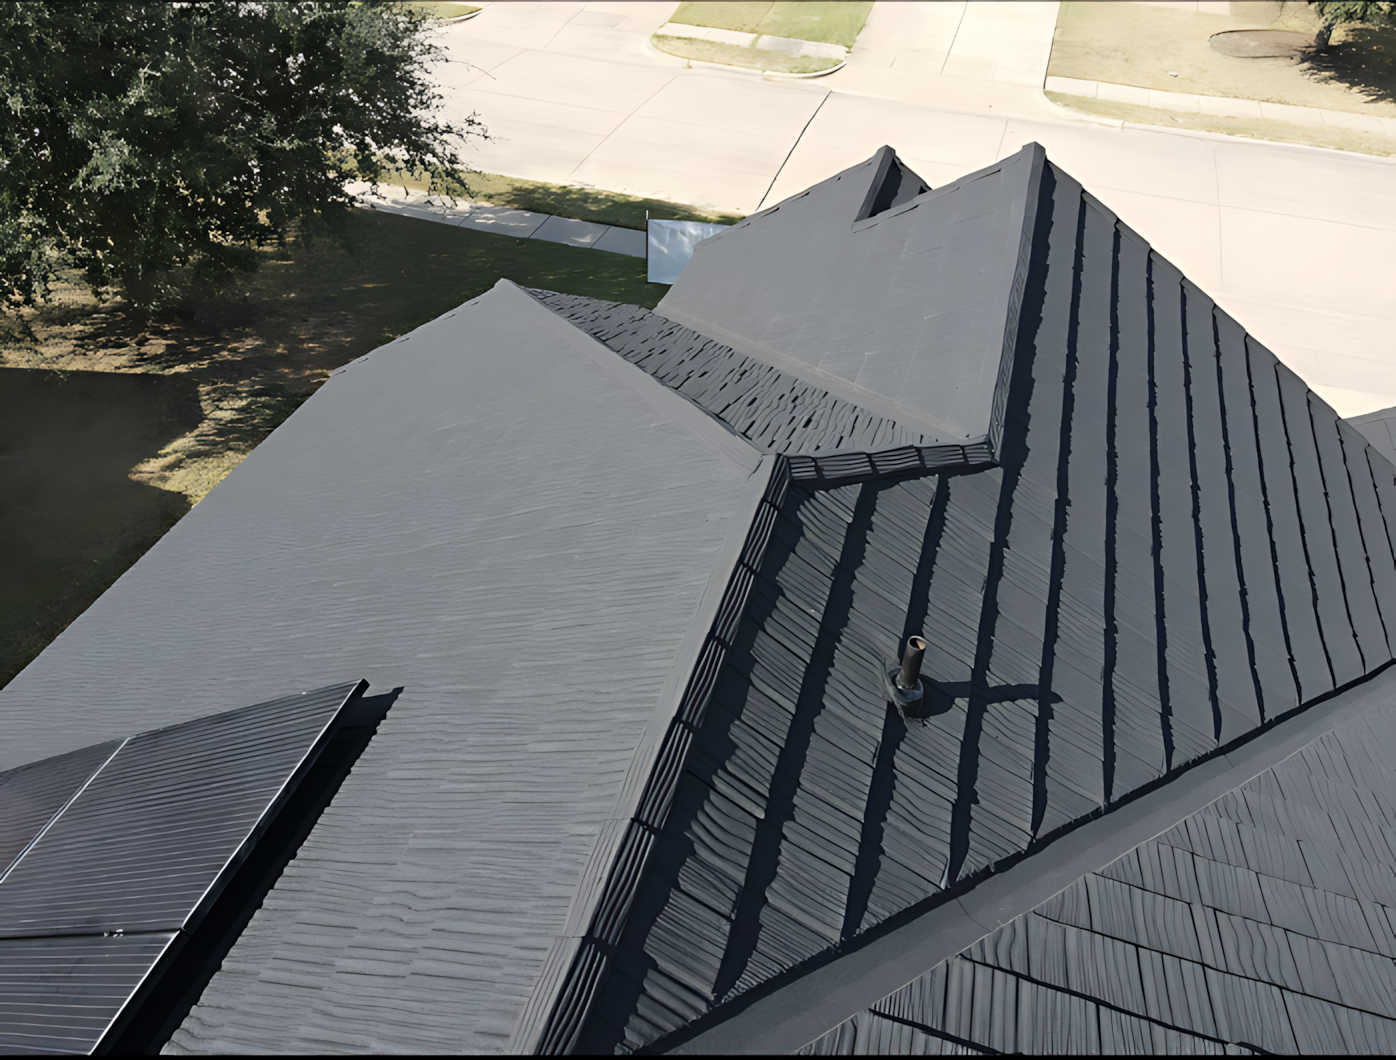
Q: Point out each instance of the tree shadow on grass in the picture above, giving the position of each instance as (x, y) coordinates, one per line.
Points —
(1364, 62)
(71, 519)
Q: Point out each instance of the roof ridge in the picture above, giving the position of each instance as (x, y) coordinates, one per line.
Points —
(555, 1029)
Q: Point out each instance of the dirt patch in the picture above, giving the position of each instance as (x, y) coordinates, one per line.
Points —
(1169, 50)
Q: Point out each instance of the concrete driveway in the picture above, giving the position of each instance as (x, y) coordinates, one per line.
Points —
(1295, 242)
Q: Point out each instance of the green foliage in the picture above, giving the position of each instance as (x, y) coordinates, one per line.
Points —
(1336, 12)
(157, 145)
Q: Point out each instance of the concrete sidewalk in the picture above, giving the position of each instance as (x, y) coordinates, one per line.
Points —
(1292, 241)
(499, 220)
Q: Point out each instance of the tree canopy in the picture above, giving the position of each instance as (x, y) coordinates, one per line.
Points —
(155, 145)
(1336, 12)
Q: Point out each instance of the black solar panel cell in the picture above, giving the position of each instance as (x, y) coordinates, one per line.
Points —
(125, 846)
(141, 847)
(33, 795)
(60, 995)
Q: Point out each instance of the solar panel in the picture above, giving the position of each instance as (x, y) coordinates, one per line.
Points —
(32, 795)
(60, 995)
(119, 847)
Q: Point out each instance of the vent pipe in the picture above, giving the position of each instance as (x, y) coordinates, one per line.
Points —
(910, 676)
(902, 683)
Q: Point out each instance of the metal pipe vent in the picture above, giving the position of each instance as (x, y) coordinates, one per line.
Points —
(902, 682)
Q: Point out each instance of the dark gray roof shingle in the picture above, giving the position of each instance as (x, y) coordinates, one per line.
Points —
(530, 538)
(1103, 608)
(906, 312)
(1260, 923)
(826, 438)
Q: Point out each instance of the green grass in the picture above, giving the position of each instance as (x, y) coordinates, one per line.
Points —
(96, 465)
(734, 55)
(829, 23)
(400, 272)
(586, 204)
(1254, 128)
(441, 9)
(72, 520)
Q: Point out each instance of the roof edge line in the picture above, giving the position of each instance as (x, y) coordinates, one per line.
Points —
(1032, 201)
(884, 157)
(796, 1011)
(551, 1024)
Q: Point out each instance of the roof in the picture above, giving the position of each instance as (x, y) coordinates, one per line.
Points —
(1376, 428)
(827, 438)
(926, 289)
(1262, 919)
(641, 578)
(530, 539)
(1180, 545)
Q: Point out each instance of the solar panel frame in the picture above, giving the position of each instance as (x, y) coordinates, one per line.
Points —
(167, 816)
(126, 846)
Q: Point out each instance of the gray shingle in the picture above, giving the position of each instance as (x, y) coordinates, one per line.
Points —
(526, 534)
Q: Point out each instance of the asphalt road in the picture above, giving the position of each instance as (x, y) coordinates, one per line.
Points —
(1294, 242)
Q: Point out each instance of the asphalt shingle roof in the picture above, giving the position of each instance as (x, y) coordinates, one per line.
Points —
(826, 438)
(530, 539)
(906, 312)
(643, 777)
(1264, 920)
(1180, 544)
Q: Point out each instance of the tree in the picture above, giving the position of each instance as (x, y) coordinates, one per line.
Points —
(156, 145)
(1335, 12)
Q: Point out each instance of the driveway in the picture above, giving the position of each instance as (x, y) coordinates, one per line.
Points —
(1294, 242)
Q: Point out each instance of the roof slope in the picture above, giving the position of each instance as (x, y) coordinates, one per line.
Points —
(1268, 920)
(1180, 545)
(530, 539)
(827, 438)
(1376, 428)
(902, 307)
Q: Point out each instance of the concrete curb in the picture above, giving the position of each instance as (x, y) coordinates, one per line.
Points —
(703, 64)
(1221, 106)
(807, 49)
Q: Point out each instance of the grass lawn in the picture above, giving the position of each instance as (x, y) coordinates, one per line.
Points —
(735, 55)
(111, 426)
(1168, 50)
(442, 9)
(72, 519)
(829, 23)
(586, 204)
(1252, 128)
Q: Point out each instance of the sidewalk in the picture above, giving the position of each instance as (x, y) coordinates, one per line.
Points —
(500, 220)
